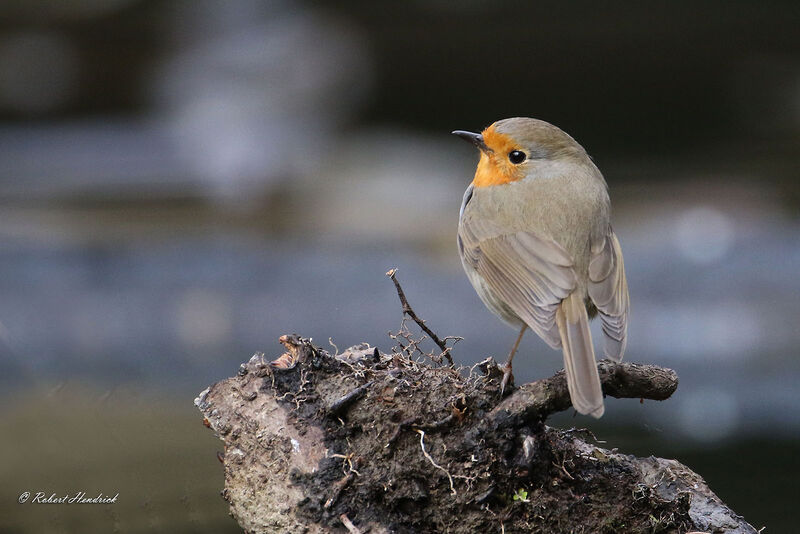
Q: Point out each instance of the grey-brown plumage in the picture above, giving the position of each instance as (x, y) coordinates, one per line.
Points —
(536, 243)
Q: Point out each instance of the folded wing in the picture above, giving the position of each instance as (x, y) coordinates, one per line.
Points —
(530, 274)
(608, 289)
(535, 277)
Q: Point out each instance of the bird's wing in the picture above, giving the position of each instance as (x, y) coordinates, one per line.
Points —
(531, 274)
(608, 290)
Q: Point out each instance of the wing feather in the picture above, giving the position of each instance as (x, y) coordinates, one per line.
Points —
(583, 380)
(532, 275)
(608, 289)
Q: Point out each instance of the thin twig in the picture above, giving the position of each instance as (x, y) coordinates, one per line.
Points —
(408, 310)
(349, 398)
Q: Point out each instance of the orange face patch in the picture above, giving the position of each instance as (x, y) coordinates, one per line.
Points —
(494, 167)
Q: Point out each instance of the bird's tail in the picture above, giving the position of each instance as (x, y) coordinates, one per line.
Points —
(576, 340)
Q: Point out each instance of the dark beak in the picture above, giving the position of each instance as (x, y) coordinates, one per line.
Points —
(474, 138)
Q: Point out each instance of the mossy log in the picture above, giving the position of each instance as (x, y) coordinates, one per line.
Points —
(369, 442)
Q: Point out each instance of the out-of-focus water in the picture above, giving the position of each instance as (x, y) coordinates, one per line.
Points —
(184, 312)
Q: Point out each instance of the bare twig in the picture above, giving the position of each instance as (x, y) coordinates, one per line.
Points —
(408, 310)
(349, 398)
(622, 380)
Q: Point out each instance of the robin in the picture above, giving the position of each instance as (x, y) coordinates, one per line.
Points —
(535, 239)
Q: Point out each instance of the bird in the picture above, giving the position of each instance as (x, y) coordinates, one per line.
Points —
(536, 242)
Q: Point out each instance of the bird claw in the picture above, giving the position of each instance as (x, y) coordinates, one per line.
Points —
(508, 379)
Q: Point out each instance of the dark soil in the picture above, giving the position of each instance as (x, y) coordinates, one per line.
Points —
(491, 475)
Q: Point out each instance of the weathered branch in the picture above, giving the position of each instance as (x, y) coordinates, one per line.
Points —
(369, 442)
(622, 380)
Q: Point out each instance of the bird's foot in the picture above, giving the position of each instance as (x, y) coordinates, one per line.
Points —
(508, 379)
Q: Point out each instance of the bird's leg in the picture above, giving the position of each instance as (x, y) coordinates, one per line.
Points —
(507, 367)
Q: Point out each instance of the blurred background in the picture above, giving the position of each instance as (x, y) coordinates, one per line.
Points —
(183, 181)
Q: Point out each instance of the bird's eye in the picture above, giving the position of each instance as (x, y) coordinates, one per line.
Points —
(516, 156)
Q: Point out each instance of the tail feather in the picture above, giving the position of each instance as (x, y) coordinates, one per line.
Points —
(583, 380)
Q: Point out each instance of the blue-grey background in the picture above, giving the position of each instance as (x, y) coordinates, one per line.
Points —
(181, 182)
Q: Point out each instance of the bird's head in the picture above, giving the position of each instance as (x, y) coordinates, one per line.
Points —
(512, 148)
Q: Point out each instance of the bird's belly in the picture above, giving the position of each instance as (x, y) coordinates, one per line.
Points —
(495, 304)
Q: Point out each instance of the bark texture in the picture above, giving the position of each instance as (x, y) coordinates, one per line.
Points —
(368, 442)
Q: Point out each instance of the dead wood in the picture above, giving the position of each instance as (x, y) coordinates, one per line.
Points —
(370, 442)
(623, 380)
(408, 310)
